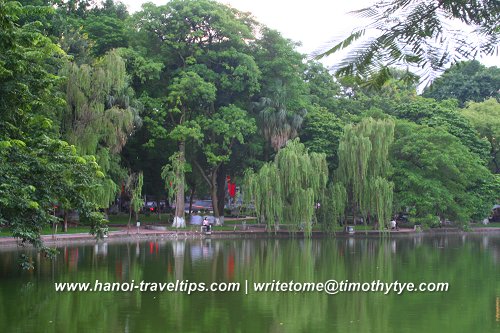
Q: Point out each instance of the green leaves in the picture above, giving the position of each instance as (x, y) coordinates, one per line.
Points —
(364, 167)
(466, 81)
(416, 33)
(286, 190)
(37, 170)
(435, 174)
(485, 117)
(187, 130)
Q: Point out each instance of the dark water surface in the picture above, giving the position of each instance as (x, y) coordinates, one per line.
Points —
(470, 264)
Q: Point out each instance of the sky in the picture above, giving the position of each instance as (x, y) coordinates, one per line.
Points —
(313, 23)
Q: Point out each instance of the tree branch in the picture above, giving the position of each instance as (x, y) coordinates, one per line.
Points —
(203, 173)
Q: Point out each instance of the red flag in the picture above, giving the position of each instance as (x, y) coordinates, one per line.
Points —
(231, 187)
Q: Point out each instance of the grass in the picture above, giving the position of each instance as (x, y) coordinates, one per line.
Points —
(48, 231)
(490, 225)
(122, 219)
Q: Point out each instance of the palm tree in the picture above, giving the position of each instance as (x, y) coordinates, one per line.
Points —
(278, 123)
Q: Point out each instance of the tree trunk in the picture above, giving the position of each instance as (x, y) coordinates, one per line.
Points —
(129, 217)
(193, 190)
(215, 199)
(65, 225)
(179, 221)
(158, 208)
(221, 192)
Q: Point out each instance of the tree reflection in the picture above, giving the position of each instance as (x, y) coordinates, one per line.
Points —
(28, 301)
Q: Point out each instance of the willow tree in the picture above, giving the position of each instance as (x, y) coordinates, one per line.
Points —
(134, 185)
(100, 116)
(381, 199)
(363, 164)
(288, 189)
(334, 206)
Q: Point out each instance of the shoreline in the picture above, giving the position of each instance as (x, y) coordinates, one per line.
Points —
(147, 234)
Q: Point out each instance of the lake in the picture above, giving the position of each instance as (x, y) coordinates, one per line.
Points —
(469, 263)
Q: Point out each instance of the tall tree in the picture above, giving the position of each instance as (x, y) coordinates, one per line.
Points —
(436, 175)
(230, 125)
(134, 185)
(37, 170)
(100, 115)
(282, 104)
(189, 94)
(321, 133)
(205, 51)
(364, 168)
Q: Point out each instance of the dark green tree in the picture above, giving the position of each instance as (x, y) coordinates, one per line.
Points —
(37, 170)
(466, 81)
(210, 79)
(282, 102)
(436, 175)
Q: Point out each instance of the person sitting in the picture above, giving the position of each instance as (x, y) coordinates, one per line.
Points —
(206, 224)
(393, 224)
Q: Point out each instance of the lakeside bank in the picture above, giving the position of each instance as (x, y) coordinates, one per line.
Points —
(143, 233)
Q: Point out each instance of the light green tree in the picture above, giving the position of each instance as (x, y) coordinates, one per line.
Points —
(134, 185)
(364, 167)
(287, 190)
(100, 115)
(485, 117)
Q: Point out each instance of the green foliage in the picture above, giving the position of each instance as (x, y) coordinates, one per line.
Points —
(37, 170)
(99, 112)
(334, 206)
(323, 89)
(286, 190)
(223, 129)
(447, 116)
(364, 166)
(134, 185)
(100, 115)
(278, 124)
(321, 134)
(282, 101)
(435, 174)
(382, 197)
(170, 174)
(106, 33)
(466, 81)
(416, 33)
(36, 176)
(485, 117)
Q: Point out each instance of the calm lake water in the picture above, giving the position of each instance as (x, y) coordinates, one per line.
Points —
(470, 263)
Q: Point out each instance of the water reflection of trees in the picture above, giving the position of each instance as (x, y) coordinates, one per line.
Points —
(470, 265)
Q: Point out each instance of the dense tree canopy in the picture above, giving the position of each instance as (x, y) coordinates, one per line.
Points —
(37, 170)
(466, 81)
(177, 99)
(436, 175)
(485, 117)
